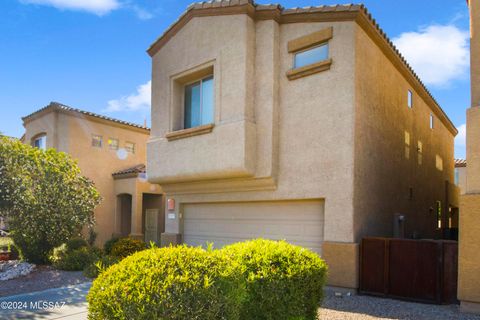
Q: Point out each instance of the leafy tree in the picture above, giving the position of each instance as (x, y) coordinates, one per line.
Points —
(44, 198)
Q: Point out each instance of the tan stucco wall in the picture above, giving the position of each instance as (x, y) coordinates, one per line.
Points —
(135, 187)
(469, 233)
(73, 135)
(462, 179)
(469, 248)
(315, 137)
(300, 162)
(383, 174)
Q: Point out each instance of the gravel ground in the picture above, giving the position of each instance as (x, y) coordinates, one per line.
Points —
(368, 308)
(42, 278)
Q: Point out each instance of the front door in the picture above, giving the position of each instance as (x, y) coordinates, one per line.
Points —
(151, 225)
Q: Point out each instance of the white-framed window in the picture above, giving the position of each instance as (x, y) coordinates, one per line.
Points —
(199, 103)
(311, 56)
(40, 142)
(130, 147)
(113, 143)
(432, 121)
(410, 99)
(97, 141)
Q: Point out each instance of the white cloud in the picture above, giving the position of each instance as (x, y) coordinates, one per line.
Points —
(460, 139)
(99, 7)
(133, 102)
(141, 13)
(438, 53)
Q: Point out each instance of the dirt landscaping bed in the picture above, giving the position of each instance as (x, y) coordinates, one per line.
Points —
(371, 308)
(43, 277)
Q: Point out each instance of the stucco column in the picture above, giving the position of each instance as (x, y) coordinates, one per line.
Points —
(469, 228)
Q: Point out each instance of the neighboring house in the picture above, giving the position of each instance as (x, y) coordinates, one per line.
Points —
(297, 124)
(461, 174)
(112, 154)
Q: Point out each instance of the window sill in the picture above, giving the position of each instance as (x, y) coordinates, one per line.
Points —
(190, 132)
(308, 70)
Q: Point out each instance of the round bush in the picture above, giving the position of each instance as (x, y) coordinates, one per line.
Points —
(76, 243)
(283, 281)
(107, 247)
(127, 246)
(74, 260)
(168, 283)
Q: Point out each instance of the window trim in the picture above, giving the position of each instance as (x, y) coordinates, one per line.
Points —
(110, 146)
(409, 99)
(432, 121)
(133, 147)
(101, 141)
(37, 137)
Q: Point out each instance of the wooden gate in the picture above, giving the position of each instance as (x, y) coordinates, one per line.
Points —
(418, 270)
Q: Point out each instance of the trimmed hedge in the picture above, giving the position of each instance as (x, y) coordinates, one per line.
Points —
(124, 247)
(168, 283)
(283, 281)
(258, 279)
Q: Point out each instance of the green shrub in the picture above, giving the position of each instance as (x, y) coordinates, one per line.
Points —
(168, 283)
(73, 260)
(283, 281)
(76, 243)
(98, 266)
(127, 246)
(107, 247)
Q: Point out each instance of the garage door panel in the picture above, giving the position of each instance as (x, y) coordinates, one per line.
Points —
(298, 222)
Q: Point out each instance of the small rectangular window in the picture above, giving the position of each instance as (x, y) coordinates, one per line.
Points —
(96, 141)
(130, 147)
(199, 101)
(311, 56)
(113, 143)
(439, 214)
(432, 120)
(419, 152)
(410, 99)
(439, 162)
(407, 145)
(40, 142)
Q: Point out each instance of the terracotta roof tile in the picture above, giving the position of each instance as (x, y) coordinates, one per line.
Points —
(139, 168)
(59, 106)
(460, 163)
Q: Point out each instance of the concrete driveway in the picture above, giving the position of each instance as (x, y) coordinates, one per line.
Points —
(59, 303)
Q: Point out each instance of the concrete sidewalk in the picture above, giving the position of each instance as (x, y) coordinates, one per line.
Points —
(59, 303)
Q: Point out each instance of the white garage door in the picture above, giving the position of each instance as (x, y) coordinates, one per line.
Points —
(298, 222)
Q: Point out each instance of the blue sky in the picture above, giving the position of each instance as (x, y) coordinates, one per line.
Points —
(90, 54)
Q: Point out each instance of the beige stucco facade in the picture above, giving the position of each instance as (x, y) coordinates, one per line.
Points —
(70, 130)
(469, 237)
(332, 134)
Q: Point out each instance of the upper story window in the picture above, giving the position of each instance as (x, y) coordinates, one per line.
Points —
(130, 147)
(410, 99)
(432, 121)
(40, 142)
(199, 103)
(97, 141)
(113, 143)
(311, 56)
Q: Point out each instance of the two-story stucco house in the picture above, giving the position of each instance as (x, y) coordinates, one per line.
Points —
(112, 154)
(298, 124)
